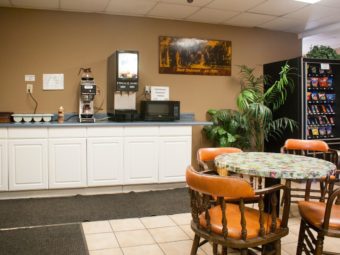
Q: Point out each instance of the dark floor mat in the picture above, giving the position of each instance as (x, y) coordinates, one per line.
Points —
(46, 211)
(61, 240)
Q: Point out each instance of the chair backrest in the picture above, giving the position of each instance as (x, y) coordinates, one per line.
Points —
(311, 148)
(307, 145)
(208, 154)
(228, 187)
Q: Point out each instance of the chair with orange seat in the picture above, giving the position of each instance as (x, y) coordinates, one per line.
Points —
(206, 156)
(310, 148)
(227, 221)
(321, 217)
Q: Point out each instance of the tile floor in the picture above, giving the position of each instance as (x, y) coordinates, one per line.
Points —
(166, 235)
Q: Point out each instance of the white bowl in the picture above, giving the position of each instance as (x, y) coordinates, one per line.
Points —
(37, 118)
(47, 118)
(27, 118)
(17, 118)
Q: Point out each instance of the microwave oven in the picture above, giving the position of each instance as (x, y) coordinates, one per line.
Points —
(160, 110)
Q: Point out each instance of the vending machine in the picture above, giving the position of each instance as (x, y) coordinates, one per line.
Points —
(314, 103)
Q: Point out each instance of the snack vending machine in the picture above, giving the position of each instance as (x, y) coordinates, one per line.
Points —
(314, 103)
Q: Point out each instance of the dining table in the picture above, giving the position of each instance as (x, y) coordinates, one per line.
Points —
(273, 166)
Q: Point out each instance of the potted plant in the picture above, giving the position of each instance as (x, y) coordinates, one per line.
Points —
(254, 117)
(229, 129)
(322, 52)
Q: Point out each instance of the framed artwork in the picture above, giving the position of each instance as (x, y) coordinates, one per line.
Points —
(194, 56)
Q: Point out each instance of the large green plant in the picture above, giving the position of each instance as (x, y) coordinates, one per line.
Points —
(323, 52)
(258, 104)
(230, 129)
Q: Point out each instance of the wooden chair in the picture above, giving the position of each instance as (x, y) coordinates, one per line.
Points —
(206, 156)
(321, 217)
(311, 148)
(227, 221)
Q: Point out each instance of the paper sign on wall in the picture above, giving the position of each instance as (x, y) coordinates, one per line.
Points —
(53, 81)
(159, 93)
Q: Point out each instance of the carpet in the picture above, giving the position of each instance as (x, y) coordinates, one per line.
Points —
(56, 240)
(76, 209)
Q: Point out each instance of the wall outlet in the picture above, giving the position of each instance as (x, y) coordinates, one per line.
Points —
(29, 88)
(147, 89)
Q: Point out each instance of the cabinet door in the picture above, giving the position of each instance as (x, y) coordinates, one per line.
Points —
(140, 160)
(67, 163)
(28, 168)
(175, 157)
(3, 165)
(104, 161)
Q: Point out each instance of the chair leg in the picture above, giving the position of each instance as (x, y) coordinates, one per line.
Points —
(278, 247)
(224, 250)
(244, 252)
(215, 248)
(319, 244)
(195, 245)
(301, 237)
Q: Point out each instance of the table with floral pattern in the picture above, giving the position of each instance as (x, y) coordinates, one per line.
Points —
(274, 165)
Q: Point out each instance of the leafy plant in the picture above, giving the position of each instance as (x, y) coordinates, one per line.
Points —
(322, 52)
(258, 105)
(229, 129)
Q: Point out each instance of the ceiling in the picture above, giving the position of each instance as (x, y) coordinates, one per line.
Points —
(317, 23)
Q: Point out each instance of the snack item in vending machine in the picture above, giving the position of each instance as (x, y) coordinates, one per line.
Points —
(315, 96)
(315, 81)
(309, 96)
(315, 131)
(330, 81)
(323, 82)
(329, 130)
(322, 131)
(322, 96)
(330, 97)
(308, 82)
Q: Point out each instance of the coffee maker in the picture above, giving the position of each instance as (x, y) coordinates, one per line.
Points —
(122, 85)
(87, 94)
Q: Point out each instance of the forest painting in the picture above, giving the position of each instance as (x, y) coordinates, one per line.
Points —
(194, 56)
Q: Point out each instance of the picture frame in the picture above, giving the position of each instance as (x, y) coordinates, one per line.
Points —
(179, 55)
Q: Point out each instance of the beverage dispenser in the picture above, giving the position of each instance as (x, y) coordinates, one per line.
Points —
(87, 94)
(122, 85)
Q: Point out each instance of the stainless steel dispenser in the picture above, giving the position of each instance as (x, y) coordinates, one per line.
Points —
(122, 85)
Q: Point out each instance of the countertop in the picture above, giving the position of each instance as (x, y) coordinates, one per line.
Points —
(186, 120)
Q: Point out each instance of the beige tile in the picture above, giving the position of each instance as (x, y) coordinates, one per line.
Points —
(179, 248)
(187, 229)
(134, 238)
(289, 248)
(181, 219)
(168, 234)
(157, 221)
(331, 244)
(290, 238)
(101, 241)
(294, 221)
(152, 249)
(96, 227)
(294, 229)
(115, 251)
(126, 224)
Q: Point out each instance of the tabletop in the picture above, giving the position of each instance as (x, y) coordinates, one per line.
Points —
(274, 165)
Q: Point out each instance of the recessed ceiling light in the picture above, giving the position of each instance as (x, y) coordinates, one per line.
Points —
(309, 1)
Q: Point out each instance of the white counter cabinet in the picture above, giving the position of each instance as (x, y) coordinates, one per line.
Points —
(74, 157)
(67, 158)
(27, 154)
(3, 160)
(175, 153)
(105, 156)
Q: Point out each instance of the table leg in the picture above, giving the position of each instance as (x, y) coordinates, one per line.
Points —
(267, 206)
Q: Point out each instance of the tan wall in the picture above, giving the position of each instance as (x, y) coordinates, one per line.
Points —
(37, 42)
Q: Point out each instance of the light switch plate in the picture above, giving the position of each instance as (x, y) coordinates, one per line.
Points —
(29, 77)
